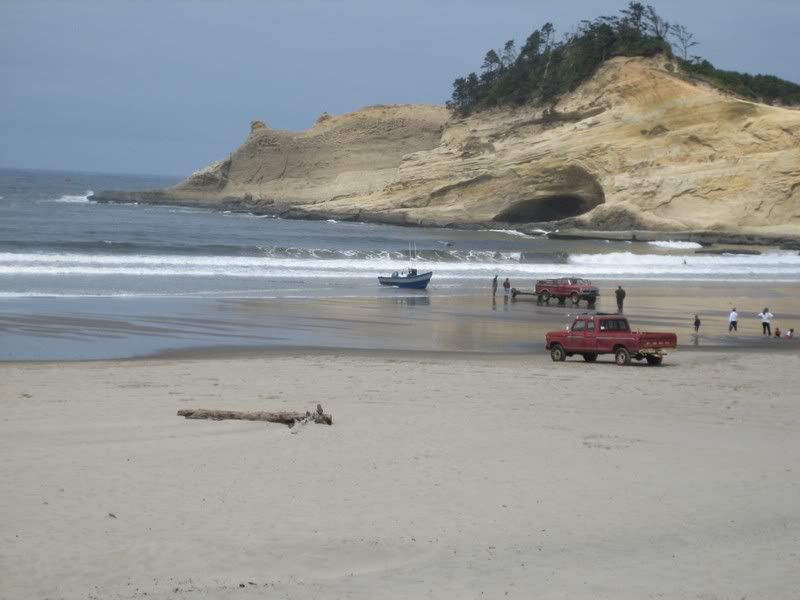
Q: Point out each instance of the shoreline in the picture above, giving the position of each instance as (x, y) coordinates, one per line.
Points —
(753, 345)
(564, 230)
(435, 323)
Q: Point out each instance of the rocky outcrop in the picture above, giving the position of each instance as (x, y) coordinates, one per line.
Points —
(636, 147)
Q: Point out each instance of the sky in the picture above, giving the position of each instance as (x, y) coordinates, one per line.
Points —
(168, 86)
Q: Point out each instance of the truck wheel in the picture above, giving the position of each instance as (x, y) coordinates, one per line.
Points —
(546, 295)
(654, 361)
(557, 353)
(574, 297)
(622, 357)
(590, 357)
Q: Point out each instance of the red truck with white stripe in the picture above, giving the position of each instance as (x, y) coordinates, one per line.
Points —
(592, 335)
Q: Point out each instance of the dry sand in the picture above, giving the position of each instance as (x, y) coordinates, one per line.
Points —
(443, 476)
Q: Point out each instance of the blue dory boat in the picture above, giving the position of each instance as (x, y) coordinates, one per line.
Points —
(408, 280)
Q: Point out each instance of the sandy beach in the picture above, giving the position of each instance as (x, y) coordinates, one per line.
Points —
(443, 476)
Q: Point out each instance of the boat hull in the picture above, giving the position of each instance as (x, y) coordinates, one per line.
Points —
(417, 282)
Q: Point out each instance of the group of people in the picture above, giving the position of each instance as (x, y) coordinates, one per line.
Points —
(733, 319)
(766, 323)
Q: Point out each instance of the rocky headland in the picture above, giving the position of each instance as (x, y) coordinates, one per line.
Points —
(639, 149)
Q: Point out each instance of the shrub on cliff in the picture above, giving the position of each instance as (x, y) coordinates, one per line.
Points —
(764, 88)
(544, 68)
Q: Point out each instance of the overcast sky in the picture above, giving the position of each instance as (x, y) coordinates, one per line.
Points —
(167, 86)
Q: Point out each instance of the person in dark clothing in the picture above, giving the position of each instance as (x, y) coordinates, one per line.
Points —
(620, 294)
(494, 286)
(696, 324)
(506, 289)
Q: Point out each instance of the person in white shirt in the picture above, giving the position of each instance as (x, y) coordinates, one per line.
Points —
(766, 317)
(733, 321)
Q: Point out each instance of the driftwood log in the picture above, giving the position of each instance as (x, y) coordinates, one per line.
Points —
(286, 417)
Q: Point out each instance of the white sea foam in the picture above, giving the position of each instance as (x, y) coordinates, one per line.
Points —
(75, 199)
(676, 245)
(515, 232)
(777, 266)
(331, 221)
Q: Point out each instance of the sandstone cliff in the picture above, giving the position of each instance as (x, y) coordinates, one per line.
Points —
(636, 147)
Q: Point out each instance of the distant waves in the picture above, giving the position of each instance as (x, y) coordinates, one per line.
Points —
(124, 261)
(75, 199)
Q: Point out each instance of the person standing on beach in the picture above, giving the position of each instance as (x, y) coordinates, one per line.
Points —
(766, 319)
(506, 289)
(696, 324)
(494, 286)
(733, 321)
(620, 294)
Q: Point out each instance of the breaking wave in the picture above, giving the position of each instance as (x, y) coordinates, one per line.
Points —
(271, 262)
(76, 199)
(676, 245)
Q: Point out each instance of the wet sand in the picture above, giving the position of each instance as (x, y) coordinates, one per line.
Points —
(443, 476)
(436, 320)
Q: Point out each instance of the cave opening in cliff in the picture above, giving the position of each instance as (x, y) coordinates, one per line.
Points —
(548, 208)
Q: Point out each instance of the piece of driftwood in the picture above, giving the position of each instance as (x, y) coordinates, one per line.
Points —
(286, 417)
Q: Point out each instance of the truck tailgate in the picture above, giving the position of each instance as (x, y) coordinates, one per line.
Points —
(658, 340)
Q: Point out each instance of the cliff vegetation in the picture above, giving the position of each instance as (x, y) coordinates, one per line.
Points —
(544, 69)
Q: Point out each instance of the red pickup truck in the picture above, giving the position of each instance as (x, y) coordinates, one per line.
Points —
(574, 288)
(591, 335)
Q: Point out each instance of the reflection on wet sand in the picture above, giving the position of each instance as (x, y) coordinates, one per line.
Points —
(427, 321)
(412, 301)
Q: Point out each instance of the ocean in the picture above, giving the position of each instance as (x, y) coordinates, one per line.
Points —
(65, 257)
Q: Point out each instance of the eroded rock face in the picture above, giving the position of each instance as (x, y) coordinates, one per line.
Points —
(557, 194)
(636, 146)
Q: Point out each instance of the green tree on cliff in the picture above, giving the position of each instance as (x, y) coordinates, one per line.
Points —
(544, 68)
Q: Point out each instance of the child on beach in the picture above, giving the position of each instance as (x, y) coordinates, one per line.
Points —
(733, 321)
(790, 333)
(696, 324)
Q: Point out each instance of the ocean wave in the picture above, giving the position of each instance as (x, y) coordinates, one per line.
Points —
(76, 199)
(108, 252)
(672, 245)
(512, 232)
(93, 248)
(354, 264)
(713, 261)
